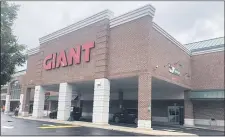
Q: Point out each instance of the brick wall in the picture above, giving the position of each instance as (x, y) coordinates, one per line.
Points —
(162, 52)
(206, 109)
(128, 50)
(208, 71)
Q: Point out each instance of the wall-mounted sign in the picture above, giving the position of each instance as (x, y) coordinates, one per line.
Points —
(63, 59)
(173, 70)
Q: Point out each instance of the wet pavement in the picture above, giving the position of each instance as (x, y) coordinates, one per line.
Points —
(16, 126)
(172, 128)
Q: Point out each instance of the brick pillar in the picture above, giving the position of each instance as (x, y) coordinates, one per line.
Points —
(102, 84)
(188, 110)
(39, 101)
(144, 100)
(64, 101)
(101, 46)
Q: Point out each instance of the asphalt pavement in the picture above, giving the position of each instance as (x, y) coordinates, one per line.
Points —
(175, 128)
(15, 126)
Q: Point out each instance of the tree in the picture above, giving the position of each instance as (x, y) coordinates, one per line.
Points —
(11, 52)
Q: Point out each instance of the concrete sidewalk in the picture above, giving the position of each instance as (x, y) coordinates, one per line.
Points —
(111, 127)
(216, 128)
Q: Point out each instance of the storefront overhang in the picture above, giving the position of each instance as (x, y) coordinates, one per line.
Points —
(52, 98)
(207, 94)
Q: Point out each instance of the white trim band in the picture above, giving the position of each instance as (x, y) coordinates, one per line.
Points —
(106, 14)
(188, 122)
(208, 122)
(33, 51)
(132, 15)
(160, 119)
(207, 51)
(19, 73)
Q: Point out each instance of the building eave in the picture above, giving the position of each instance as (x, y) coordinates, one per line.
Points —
(208, 51)
(106, 14)
(147, 10)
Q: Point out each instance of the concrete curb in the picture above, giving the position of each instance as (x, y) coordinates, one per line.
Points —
(111, 127)
(214, 129)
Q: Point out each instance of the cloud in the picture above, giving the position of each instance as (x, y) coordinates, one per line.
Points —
(36, 19)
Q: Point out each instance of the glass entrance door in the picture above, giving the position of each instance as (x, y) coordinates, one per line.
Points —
(174, 114)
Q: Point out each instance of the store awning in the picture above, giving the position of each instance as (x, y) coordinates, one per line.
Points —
(207, 94)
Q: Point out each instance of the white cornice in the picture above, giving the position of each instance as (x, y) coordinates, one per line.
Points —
(33, 51)
(106, 14)
(132, 15)
(168, 36)
(207, 51)
(19, 73)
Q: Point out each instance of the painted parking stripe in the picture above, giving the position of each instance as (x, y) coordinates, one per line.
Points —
(47, 125)
(61, 126)
(9, 127)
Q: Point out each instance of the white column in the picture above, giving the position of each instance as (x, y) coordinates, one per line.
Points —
(101, 101)
(49, 105)
(39, 100)
(7, 104)
(21, 103)
(64, 101)
(188, 122)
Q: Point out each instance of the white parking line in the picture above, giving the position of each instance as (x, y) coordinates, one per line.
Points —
(47, 125)
(9, 127)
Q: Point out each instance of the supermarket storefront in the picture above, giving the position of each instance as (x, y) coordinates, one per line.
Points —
(123, 62)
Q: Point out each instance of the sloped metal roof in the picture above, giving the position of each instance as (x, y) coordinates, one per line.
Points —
(205, 45)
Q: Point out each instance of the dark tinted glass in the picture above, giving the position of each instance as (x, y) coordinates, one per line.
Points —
(132, 110)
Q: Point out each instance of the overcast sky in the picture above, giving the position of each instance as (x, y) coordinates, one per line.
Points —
(186, 21)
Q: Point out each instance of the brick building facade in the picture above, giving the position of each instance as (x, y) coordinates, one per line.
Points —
(102, 56)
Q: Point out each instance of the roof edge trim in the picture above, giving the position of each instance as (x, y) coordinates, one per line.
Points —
(106, 14)
(168, 36)
(147, 10)
(33, 51)
(208, 51)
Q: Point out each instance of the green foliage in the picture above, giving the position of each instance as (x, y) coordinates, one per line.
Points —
(11, 52)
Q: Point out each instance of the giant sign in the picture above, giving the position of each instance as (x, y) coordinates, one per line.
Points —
(173, 70)
(63, 59)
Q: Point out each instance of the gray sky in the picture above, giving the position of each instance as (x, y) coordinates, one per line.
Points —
(186, 21)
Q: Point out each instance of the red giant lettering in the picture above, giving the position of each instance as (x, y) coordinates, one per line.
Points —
(47, 62)
(74, 55)
(87, 47)
(61, 59)
(54, 60)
